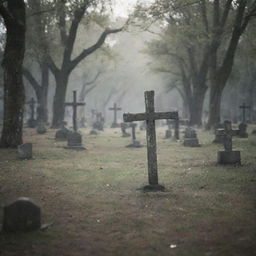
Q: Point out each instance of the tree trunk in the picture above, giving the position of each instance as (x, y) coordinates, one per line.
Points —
(59, 100)
(14, 19)
(196, 108)
(42, 111)
(215, 106)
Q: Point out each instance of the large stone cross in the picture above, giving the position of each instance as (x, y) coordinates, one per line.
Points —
(115, 109)
(74, 104)
(244, 107)
(150, 116)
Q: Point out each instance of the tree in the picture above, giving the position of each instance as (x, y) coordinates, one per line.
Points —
(13, 14)
(222, 58)
(68, 33)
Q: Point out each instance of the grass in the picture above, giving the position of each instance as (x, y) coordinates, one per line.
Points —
(94, 199)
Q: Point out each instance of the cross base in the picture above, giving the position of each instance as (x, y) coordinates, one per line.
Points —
(229, 157)
(154, 188)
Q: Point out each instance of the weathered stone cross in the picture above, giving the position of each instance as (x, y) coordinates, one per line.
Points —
(74, 104)
(150, 116)
(244, 107)
(115, 109)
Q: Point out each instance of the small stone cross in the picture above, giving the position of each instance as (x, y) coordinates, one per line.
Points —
(244, 107)
(74, 104)
(227, 133)
(115, 109)
(150, 116)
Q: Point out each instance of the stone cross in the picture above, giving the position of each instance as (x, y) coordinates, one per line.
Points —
(115, 109)
(150, 116)
(227, 133)
(32, 104)
(244, 107)
(177, 129)
(74, 104)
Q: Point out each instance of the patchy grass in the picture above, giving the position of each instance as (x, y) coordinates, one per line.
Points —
(93, 198)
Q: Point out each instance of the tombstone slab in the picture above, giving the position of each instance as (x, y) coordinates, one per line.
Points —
(190, 138)
(75, 141)
(229, 157)
(93, 132)
(25, 151)
(242, 130)
(62, 134)
(168, 134)
(21, 215)
(41, 128)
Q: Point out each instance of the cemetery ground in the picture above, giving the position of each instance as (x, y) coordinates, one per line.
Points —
(94, 202)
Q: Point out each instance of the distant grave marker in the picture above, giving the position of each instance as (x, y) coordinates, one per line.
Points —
(228, 156)
(190, 138)
(99, 123)
(150, 116)
(21, 215)
(244, 107)
(124, 126)
(74, 138)
(41, 128)
(135, 143)
(115, 109)
(62, 133)
(168, 132)
(32, 121)
(25, 151)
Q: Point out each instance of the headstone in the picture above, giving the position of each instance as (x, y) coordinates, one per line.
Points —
(41, 128)
(124, 126)
(25, 151)
(150, 116)
(62, 133)
(21, 216)
(218, 135)
(93, 132)
(99, 124)
(143, 126)
(115, 109)
(176, 129)
(254, 132)
(32, 121)
(242, 130)
(75, 141)
(168, 132)
(190, 138)
(135, 143)
(228, 156)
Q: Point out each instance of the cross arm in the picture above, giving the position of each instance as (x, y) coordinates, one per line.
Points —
(149, 116)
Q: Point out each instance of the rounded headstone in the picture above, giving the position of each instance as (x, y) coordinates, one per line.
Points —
(41, 129)
(25, 151)
(74, 139)
(21, 215)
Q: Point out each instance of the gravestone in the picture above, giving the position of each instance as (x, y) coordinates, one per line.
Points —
(115, 109)
(254, 132)
(25, 151)
(124, 126)
(228, 156)
(135, 143)
(62, 133)
(99, 123)
(143, 126)
(150, 116)
(168, 132)
(74, 138)
(190, 138)
(176, 129)
(21, 215)
(32, 121)
(242, 130)
(41, 128)
(218, 128)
